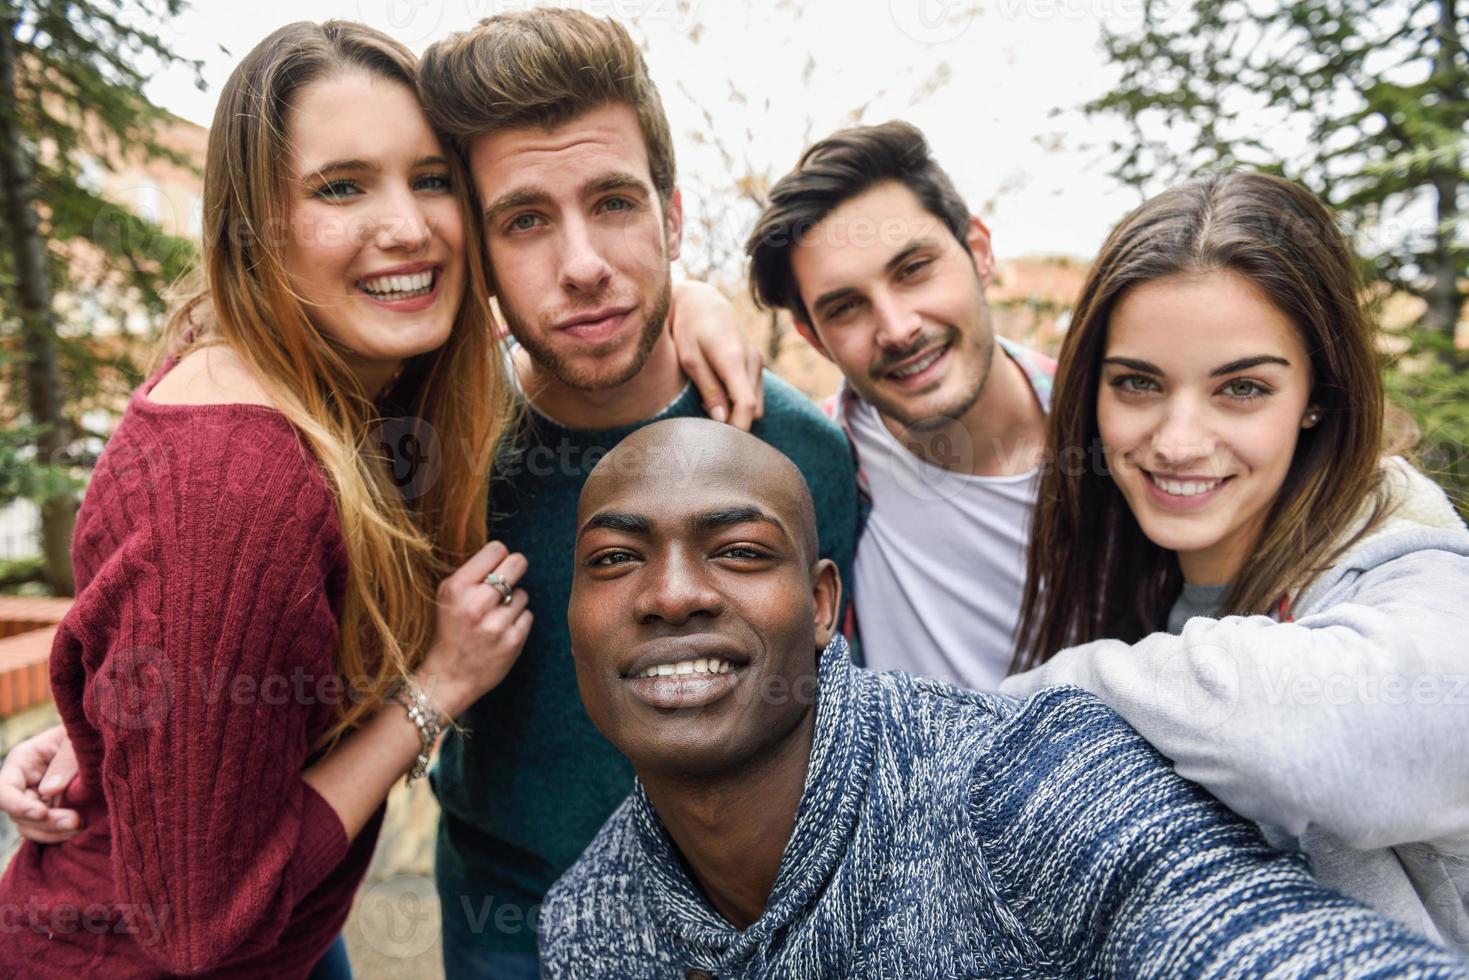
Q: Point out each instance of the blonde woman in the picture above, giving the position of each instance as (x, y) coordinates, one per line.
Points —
(255, 591)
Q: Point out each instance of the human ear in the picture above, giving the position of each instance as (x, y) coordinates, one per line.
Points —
(978, 237)
(826, 590)
(1311, 418)
(809, 332)
(673, 221)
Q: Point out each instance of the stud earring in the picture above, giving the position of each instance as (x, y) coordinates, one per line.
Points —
(1312, 417)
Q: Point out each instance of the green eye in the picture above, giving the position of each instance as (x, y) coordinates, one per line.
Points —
(1245, 390)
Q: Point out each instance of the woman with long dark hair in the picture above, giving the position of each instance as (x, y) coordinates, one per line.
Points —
(1224, 553)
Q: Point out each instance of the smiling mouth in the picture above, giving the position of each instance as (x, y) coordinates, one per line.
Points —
(700, 665)
(923, 363)
(391, 288)
(1185, 487)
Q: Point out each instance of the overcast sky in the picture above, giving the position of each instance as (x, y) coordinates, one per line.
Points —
(1006, 78)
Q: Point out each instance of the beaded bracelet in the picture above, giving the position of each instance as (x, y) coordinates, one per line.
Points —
(426, 719)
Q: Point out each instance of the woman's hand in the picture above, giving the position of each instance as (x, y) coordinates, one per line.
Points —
(716, 355)
(480, 634)
(33, 784)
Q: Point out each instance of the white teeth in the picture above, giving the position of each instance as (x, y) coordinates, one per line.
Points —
(913, 369)
(399, 287)
(1180, 488)
(703, 665)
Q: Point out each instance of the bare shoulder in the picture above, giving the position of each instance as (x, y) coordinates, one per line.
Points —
(212, 375)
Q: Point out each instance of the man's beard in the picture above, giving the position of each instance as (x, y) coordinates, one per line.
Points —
(934, 417)
(593, 379)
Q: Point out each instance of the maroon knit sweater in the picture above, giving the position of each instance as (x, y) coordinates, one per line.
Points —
(193, 674)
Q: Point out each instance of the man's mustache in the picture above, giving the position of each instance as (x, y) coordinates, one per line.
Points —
(892, 357)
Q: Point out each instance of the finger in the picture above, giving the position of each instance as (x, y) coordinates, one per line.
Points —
(500, 618)
(46, 836)
(711, 391)
(519, 630)
(480, 564)
(512, 568)
(61, 772)
(743, 415)
(19, 806)
(57, 820)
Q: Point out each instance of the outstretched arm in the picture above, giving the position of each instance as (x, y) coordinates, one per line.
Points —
(1354, 720)
(1118, 867)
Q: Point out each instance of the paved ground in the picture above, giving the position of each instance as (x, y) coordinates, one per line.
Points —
(393, 933)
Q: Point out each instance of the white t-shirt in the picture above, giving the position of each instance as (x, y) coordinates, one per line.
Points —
(940, 566)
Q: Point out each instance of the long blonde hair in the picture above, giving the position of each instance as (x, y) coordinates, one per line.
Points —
(397, 548)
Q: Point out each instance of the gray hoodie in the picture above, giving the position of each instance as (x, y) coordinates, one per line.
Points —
(1344, 733)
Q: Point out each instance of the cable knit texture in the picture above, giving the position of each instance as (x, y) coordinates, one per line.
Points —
(947, 833)
(193, 673)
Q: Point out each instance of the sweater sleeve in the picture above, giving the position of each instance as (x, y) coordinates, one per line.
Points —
(205, 639)
(1117, 867)
(1353, 720)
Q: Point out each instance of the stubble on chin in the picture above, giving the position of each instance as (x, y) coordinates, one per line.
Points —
(921, 415)
(600, 371)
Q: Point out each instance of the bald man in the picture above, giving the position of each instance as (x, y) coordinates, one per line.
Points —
(798, 816)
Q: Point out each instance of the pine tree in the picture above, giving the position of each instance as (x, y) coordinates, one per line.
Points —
(1363, 101)
(71, 80)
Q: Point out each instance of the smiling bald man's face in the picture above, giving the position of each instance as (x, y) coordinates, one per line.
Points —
(698, 604)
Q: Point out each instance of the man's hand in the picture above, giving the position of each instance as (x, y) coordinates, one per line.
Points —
(33, 783)
(716, 355)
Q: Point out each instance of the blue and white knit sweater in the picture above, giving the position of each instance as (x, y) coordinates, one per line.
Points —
(947, 833)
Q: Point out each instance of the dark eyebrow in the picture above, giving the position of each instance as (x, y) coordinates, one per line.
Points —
(1245, 363)
(339, 166)
(526, 196)
(715, 520)
(1134, 365)
(515, 199)
(614, 182)
(891, 264)
(612, 520)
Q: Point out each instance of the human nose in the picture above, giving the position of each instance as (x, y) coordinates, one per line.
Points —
(1182, 435)
(897, 325)
(677, 590)
(402, 225)
(583, 268)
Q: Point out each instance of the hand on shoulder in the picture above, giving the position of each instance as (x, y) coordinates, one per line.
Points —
(212, 375)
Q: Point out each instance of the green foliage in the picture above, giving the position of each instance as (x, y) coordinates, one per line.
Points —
(1365, 102)
(77, 102)
(1437, 397)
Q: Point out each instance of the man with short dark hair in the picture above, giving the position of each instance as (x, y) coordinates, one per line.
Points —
(798, 816)
(573, 171)
(872, 250)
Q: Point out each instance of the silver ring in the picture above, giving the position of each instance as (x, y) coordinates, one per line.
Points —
(501, 586)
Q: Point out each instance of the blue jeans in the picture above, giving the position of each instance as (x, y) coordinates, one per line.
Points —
(464, 960)
(333, 964)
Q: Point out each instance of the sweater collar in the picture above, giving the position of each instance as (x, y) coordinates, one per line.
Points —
(836, 780)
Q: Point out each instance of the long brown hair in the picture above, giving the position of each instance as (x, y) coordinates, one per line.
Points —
(1091, 571)
(397, 548)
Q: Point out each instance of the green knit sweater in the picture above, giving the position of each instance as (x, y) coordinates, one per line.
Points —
(530, 786)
